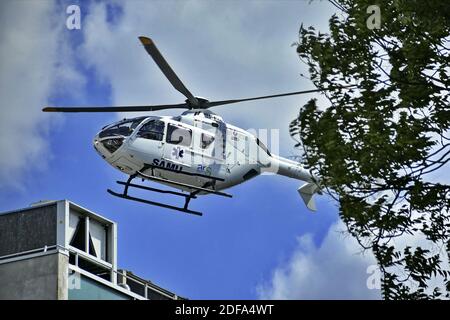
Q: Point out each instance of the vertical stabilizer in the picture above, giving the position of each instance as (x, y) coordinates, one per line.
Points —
(307, 191)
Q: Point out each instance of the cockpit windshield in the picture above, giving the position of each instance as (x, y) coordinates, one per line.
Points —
(122, 128)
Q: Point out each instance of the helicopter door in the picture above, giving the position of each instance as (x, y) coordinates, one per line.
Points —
(148, 141)
(178, 145)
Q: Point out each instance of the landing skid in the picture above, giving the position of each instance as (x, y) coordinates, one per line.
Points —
(153, 203)
(187, 196)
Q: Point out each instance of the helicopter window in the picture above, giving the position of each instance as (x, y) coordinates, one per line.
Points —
(206, 140)
(113, 144)
(153, 130)
(179, 135)
(122, 129)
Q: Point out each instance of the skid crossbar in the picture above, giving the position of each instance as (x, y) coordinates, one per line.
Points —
(155, 189)
(153, 203)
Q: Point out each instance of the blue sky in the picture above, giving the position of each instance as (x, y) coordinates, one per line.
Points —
(261, 243)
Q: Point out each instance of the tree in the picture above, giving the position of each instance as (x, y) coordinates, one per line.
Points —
(380, 146)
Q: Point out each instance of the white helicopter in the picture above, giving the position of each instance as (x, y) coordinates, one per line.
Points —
(195, 152)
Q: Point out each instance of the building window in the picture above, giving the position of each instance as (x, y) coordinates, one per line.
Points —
(79, 238)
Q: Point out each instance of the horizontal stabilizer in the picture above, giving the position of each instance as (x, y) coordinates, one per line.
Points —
(307, 191)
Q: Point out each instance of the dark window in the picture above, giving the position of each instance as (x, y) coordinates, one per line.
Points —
(79, 238)
(153, 130)
(206, 140)
(179, 135)
(113, 144)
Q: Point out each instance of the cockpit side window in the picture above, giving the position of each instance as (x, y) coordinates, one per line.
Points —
(153, 130)
(179, 135)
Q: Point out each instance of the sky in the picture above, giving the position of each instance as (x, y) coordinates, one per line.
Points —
(262, 243)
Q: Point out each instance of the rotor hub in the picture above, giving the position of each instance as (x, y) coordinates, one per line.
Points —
(202, 103)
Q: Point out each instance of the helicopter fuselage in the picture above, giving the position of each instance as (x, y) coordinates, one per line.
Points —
(196, 152)
(198, 143)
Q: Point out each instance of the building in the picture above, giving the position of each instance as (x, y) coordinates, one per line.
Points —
(60, 250)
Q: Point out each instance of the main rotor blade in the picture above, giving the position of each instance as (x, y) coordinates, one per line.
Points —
(223, 102)
(116, 108)
(153, 51)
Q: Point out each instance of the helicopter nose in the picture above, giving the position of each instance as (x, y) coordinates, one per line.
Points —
(106, 147)
(99, 147)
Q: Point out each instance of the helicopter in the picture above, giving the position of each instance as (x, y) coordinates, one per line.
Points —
(195, 153)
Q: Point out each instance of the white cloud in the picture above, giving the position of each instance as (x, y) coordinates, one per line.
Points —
(218, 49)
(338, 269)
(30, 64)
(334, 270)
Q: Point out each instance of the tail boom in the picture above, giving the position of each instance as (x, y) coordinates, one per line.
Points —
(295, 170)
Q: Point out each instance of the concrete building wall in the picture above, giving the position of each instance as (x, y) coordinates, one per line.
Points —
(29, 229)
(63, 276)
(38, 278)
